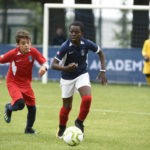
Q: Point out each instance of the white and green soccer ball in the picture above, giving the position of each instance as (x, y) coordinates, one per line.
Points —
(73, 136)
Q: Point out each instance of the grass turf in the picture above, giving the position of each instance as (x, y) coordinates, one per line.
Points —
(119, 119)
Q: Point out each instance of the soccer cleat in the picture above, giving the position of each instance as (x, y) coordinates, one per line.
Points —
(30, 131)
(60, 132)
(80, 125)
(7, 113)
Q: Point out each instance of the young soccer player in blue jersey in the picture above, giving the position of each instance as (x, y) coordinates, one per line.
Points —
(74, 52)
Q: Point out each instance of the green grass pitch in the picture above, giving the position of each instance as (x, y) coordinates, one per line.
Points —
(119, 119)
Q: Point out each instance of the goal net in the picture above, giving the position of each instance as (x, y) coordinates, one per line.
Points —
(108, 26)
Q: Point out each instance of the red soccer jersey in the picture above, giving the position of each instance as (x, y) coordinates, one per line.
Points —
(20, 69)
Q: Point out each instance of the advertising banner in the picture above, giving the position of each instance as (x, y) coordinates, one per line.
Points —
(122, 65)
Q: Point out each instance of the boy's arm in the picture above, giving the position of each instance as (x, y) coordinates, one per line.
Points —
(6, 57)
(42, 61)
(42, 70)
(102, 73)
(70, 67)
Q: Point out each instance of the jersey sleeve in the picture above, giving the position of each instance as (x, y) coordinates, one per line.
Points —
(61, 53)
(39, 57)
(8, 57)
(93, 47)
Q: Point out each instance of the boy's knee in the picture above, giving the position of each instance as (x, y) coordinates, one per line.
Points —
(18, 105)
(21, 104)
(31, 108)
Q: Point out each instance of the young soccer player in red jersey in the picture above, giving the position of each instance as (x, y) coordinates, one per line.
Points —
(74, 52)
(19, 78)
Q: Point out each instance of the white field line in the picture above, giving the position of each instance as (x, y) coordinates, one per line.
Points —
(104, 110)
(117, 111)
(93, 109)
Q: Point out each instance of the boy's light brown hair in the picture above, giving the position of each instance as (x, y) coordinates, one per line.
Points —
(22, 34)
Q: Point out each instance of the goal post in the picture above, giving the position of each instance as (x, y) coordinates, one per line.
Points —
(48, 6)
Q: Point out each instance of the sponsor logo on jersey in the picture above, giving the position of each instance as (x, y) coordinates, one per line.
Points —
(18, 60)
(71, 52)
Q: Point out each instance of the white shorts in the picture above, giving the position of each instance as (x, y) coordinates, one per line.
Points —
(69, 87)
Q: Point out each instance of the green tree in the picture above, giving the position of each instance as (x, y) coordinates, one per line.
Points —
(34, 19)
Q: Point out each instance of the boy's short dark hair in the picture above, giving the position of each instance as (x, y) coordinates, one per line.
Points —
(77, 23)
(22, 34)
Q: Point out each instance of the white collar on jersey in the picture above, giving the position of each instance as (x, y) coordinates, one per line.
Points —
(18, 53)
(81, 42)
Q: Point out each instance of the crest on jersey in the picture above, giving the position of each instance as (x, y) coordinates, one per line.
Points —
(30, 58)
(82, 52)
(58, 53)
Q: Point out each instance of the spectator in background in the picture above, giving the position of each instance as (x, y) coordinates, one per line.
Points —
(146, 55)
(59, 38)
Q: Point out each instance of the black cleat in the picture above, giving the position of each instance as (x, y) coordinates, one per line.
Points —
(7, 113)
(30, 131)
(79, 124)
(60, 132)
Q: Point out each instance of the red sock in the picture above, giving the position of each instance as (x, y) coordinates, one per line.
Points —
(63, 116)
(85, 107)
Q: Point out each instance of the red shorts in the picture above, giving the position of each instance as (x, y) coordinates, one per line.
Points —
(17, 92)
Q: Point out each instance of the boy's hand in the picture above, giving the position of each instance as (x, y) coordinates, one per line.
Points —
(71, 67)
(42, 71)
(103, 78)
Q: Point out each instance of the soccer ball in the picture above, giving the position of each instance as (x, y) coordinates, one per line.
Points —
(73, 136)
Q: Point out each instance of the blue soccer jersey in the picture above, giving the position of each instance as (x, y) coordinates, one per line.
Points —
(69, 53)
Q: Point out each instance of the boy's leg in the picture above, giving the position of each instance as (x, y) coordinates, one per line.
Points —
(84, 88)
(67, 87)
(17, 101)
(31, 116)
(64, 115)
(84, 110)
(18, 105)
(31, 106)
